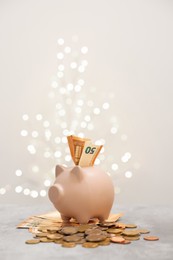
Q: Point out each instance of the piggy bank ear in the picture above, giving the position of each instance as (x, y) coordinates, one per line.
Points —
(59, 169)
(77, 171)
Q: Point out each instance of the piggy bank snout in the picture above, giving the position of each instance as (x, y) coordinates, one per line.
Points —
(55, 192)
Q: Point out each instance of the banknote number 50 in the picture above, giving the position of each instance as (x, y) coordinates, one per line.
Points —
(90, 150)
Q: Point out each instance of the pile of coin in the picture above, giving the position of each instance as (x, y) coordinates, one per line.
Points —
(88, 235)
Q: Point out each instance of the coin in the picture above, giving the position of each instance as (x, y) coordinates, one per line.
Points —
(32, 241)
(59, 241)
(114, 230)
(45, 240)
(132, 238)
(55, 236)
(69, 230)
(41, 235)
(130, 225)
(95, 238)
(71, 238)
(117, 239)
(107, 224)
(83, 228)
(90, 245)
(81, 241)
(105, 242)
(143, 231)
(131, 233)
(125, 242)
(151, 238)
(54, 228)
(93, 231)
(68, 244)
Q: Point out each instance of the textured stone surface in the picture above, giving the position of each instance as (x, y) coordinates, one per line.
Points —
(159, 220)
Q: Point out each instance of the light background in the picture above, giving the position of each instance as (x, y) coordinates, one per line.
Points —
(130, 54)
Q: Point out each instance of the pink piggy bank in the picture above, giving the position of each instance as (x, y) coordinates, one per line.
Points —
(82, 193)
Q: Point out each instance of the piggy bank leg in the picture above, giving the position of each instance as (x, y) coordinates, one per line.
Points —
(103, 218)
(82, 219)
(65, 218)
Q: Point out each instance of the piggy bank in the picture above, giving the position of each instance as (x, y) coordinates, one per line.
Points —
(82, 193)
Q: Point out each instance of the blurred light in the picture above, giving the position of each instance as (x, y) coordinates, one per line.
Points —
(61, 112)
(24, 133)
(57, 154)
(77, 88)
(78, 110)
(18, 172)
(60, 74)
(47, 134)
(67, 158)
(67, 49)
(80, 102)
(83, 124)
(96, 111)
(128, 174)
(114, 130)
(31, 149)
(102, 150)
(58, 105)
(97, 162)
(81, 69)
(25, 117)
(84, 50)
(73, 65)
(26, 191)
(61, 67)
(81, 135)
(39, 117)
(87, 118)
(18, 189)
(81, 82)
(35, 168)
(60, 41)
(68, 101)
(114, 167)
(126, 157)
(64, 140)
(106, 106)
(34, 134)
(70, 86)
(65, 132)
(63, 125)
(34, 194)
(43, 193)
(47, 154)
(2, 191)
(47, 183)
(60, 55)
(54, 84)
(84, 63)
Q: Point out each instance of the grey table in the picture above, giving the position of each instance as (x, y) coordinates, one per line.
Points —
(159, 220)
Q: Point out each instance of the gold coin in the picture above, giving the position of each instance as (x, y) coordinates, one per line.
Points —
(107, 224)
(130, 225)
(45, 240)
(69, 230)
(54, 236)
(32, 241)
(41, 235)
(114, 230)
(90, 245)
(105, 242)
(71, 238)
(59, 241)
(95, 238)
(125, 242)
(68, 244)
(117, 239)
(151, 238)
(143, 231)
(93, 231)
(83, 228)
(53, 229)
(131, 233)
(132, 238)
